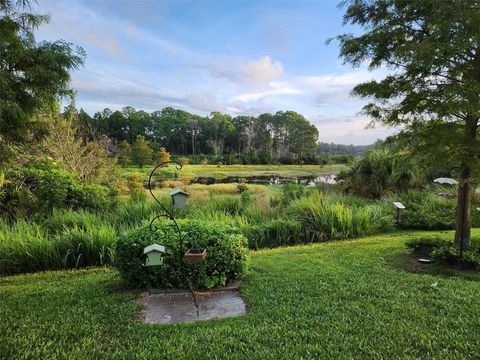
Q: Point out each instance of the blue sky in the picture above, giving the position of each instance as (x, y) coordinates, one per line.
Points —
(238, 57)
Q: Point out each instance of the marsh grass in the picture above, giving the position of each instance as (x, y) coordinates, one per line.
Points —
(322, 218)
(268, 218)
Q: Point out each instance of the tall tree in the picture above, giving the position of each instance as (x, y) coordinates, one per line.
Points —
(32, 76)
(141, 152)
(433, 48)
(124, 153)
(87, 159)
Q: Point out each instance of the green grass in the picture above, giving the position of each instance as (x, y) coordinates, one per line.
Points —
(339, 300)
(245, 170)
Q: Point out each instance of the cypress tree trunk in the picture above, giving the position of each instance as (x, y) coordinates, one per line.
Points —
(464, 203)
(464, 198)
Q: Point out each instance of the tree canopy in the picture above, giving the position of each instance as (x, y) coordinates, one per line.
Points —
(32, 76)
(432, 49)
(284, 135)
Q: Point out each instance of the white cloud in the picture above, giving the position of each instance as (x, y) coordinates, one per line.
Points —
(351, 129)
(82, 26)
(273, 89)
(262, 70)
(245, 73)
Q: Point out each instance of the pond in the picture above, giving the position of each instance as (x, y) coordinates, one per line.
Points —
(268, 180)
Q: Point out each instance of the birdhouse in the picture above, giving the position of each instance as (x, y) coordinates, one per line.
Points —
(154, 254)
(179, 198)
(399, 207)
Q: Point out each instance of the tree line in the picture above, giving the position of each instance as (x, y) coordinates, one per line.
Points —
(285, 136)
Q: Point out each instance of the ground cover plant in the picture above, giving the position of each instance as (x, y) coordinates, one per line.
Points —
(329, 300)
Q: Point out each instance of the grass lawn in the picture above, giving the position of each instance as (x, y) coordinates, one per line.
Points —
(352, 299)
(248, 170)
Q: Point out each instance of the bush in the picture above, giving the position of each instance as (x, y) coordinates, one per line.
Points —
(43, 186)
(227, 256)
(292, 191)
(378, 173)
(426, 211)
(426, 244)
(451, 256)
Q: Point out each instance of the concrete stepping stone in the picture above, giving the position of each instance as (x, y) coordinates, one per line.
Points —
(169, 307)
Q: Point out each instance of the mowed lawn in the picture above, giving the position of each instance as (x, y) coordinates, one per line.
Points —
(353, 299)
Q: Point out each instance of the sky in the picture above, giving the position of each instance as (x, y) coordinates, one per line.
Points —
(237, 57)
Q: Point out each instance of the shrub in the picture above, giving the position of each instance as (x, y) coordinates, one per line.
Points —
(246, 198)
(135, 185)
(183, 160)
(227, 256)
(451, 256)
(42, 186)
(378, 173)
(426, 211)
(292, 191)
(425, 244)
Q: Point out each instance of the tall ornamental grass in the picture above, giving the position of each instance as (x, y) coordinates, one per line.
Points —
(324, 219)
(27, 247)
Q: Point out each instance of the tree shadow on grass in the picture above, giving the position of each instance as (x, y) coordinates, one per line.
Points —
(408, 262)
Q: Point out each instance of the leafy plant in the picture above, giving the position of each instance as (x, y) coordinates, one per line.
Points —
(227, 256)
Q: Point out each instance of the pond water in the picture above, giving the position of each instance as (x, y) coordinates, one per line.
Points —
(269, 180)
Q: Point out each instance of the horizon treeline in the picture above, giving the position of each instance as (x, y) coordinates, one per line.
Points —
(285, 136)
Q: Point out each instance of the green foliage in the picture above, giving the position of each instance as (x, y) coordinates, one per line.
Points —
(184, 160)
(141, 152)
(426, 92)
(426, 211)
(292, 191)
(32, 76)
(227, 256)
(163, 155)
(431, 242)
(285, 137)
(303, 302)
(322, 219)
(27, 247)
(274, 233)
(42, 186)
(124, 153)
(246, 198)
(378, 173)
(450, 255)
(226, 204)
(136, 189)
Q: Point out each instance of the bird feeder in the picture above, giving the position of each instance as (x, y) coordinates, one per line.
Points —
(195, 254)
(444, 180)
(179, 198)
(154, 255)
(399, 207)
